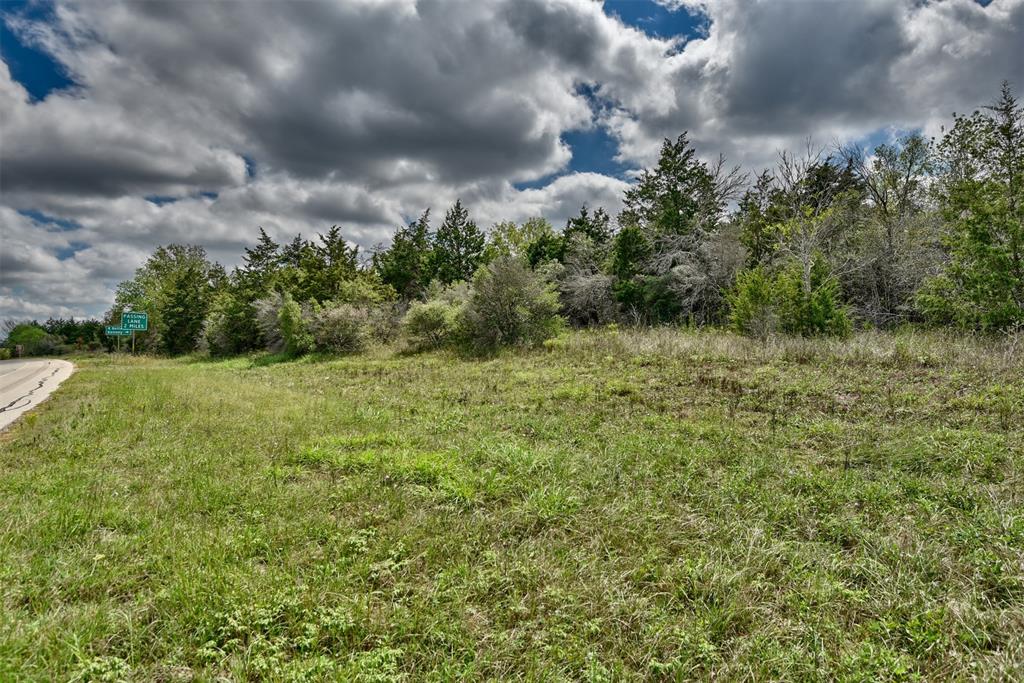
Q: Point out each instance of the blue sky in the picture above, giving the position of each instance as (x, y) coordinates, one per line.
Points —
(29, 65)
(658, 20)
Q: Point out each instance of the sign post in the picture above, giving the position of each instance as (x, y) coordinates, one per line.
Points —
(116, 331)
(135, 320)
(130, 322)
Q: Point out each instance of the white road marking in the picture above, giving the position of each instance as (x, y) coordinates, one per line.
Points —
(24, 384)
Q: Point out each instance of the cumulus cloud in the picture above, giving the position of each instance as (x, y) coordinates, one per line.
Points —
(46, 270)
(297, 116)
(769, 74)
(558, 200)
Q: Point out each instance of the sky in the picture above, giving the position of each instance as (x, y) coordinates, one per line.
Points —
(127, 125)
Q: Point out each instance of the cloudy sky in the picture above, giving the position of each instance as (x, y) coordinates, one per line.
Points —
(124, 125)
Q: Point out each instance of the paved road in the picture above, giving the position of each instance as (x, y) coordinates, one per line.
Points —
(24, 384)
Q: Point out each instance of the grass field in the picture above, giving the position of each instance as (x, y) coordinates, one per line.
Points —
(618, 506)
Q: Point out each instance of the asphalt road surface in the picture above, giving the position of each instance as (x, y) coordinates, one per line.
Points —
(24, 384)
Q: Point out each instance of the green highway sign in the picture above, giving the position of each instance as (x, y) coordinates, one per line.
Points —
(114, 331)
(133, 320)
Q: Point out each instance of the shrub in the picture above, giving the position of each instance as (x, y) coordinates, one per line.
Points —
(510, 305)
(818, 313)
(268, 321)
(587, 299)
(231, 326)
(752, 304)
(430, 325)
(585, 291)
(456, 293)
(340, 328)
(761, 304)
(5, 353)
(34, 340)
(365, 290)
(294, 327)
(384, 322)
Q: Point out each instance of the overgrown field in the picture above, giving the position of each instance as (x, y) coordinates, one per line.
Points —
(617, 506)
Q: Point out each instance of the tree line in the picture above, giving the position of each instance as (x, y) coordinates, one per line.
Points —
(915, 231)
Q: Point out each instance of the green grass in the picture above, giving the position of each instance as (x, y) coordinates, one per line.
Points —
(617, 506)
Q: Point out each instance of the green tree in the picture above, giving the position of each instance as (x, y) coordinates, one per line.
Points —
(406, 265)
(678, 209)
(545, 246)
(183, 305)
(33, 339)
(762, 303)
(510, 239)
(596, 227)
(677, 197)
(328, 265)
(77, 332)
(301, 269)
(231, 325)
(260, 265)
(631, 250)
(175, 287)
(458, 246)
(982, 200)
(759, 216)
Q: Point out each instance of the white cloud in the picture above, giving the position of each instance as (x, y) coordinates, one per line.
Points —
(769, 74)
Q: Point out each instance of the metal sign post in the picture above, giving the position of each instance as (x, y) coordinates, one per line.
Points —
(135, 320)
(118, 331)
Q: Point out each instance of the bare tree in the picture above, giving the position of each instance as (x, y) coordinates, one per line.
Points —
(897, 243)
(817, 211)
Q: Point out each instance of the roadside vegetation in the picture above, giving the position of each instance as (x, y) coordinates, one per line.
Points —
(915, 232)
(617, 505)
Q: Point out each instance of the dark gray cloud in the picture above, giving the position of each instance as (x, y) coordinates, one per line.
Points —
(770, 74)
(772, 85)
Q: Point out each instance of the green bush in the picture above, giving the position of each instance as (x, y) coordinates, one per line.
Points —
(5, 353)
(752, 304)
(510, 305)
(762, 304)
(34, 340)
(384, 322)
(430, 325)
(231, 326)
(819, 313)
(339, 328)
(294, 327)
(364, 290)
(648, 298)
